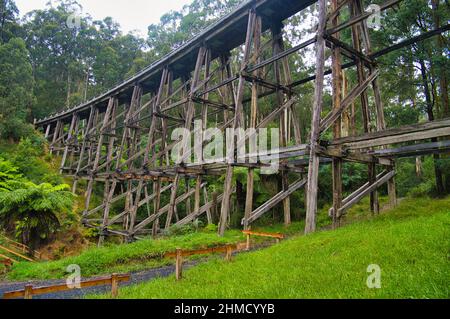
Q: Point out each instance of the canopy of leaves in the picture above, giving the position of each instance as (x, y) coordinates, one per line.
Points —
(16, 89)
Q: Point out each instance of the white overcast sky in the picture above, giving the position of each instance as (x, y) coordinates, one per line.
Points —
(130, 14)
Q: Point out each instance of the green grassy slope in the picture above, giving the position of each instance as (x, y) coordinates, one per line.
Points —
(140, 255)
(136, 256)
(106, 260)
(410, 243)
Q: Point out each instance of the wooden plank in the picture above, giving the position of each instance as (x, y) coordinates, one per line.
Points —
(263, 234)
(22, 247)
(413, 150)
(15, 253)
(403, 134)
(205, 251)
(7, 260)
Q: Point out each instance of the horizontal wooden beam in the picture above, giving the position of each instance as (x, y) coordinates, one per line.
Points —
(204, 251)
(403, 134)
(15, 253)
(413, 150)
(64, 287)
(260, 234)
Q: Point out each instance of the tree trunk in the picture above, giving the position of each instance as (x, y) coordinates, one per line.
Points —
(443, 83)
(86, 85)
(418, 167)
(68, 90)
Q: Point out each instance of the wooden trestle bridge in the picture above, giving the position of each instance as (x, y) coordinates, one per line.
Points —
(121, 141)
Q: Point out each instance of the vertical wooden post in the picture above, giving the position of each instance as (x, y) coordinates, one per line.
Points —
(337, 99)
(392, 191)
(190, 113)
(70, 134)
(47, 131)
(248, 242)
(208, 211)
(114, 286)
(179, 264)
(87, 129)
(225, 209)
(313, 171)
(214, 210)
(198, 186)
(253, 120)
(359, 33)
(173, 199)
(229, 253)
(55, 135)
(278, 48)
(381, 122)
(106, 122)
(156, 205)
(28, 292)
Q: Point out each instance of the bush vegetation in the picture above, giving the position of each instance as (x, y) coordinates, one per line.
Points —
(31, 207)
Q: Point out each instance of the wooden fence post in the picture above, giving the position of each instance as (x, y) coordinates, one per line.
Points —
(28, 292)
(114, 286)
(248, 242)
(229, 253)
(179, 264)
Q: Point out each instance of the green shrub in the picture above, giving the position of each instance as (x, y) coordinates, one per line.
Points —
(34, 210)
(211, 228)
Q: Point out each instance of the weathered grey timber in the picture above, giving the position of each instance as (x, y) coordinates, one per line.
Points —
(121, 140)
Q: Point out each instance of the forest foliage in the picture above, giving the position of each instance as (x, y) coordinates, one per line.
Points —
(34, 201)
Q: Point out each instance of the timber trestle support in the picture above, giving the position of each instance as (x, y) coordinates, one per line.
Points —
(239, 73)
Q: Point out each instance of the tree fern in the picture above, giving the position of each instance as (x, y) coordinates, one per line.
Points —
(34, 211)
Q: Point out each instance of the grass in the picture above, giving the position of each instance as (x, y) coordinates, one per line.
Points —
(105, 260)
(141, 255)
(148, 253)
(409, 243)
